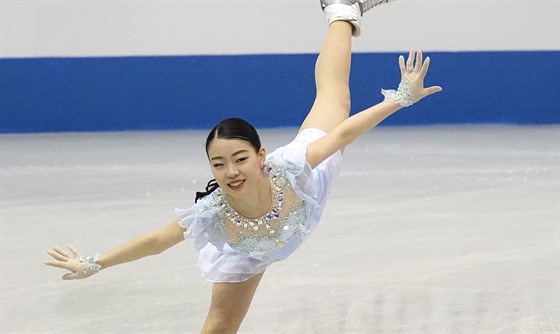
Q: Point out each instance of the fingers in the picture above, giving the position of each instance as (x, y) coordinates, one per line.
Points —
(62, 256)
(56, 264)
(58, 254)
(63, 259)
(410, 61)
(63, 264)
(414, 64)
(401, 64)
(425, 67)
(74, 251)
(418, 64)
(432, 90)
(70, 276)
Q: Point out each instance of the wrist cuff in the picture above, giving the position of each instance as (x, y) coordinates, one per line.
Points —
(402, 96)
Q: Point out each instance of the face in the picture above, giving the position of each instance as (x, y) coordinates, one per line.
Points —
(235, 165)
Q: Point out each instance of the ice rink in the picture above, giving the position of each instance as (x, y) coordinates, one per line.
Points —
(445, 229)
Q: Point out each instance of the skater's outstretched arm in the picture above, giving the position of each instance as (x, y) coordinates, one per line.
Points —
(148, 244)
(411, 90)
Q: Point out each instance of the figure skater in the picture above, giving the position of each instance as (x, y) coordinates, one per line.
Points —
(261, 207)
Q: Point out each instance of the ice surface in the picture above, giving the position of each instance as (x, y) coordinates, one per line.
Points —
(428, 230)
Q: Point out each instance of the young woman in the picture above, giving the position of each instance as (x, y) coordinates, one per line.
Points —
(261, 207)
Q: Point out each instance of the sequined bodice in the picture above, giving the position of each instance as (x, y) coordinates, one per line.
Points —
(266, 237)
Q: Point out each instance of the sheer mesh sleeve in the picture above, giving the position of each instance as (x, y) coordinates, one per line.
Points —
(202, 223)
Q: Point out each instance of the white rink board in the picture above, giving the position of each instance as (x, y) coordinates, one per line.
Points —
(83, 28)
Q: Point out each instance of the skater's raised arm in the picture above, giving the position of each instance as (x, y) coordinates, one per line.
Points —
(148, 244)
(411, 90)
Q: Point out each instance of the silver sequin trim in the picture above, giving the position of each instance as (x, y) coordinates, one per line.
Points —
(403, 96)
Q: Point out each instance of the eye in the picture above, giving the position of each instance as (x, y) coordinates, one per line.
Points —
(217, 165)
(242, 159)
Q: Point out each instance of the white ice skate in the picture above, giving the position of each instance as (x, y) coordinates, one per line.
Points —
(349, 10)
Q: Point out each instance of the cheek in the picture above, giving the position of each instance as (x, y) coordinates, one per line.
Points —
(219, 180)
(216, 174)
(257, 169)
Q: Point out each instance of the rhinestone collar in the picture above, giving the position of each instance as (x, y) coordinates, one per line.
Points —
(277, 184)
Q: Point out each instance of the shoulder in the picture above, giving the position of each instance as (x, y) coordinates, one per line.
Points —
(208, 206)
(200, 219)
(205, 208)
(290, 159)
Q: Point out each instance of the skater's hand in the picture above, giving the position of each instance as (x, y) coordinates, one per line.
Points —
(79, 266)
(413, 74)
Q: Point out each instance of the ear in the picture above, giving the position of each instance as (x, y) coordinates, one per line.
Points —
(262, 156)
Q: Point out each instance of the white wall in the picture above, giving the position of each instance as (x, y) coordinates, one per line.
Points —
(117, 28)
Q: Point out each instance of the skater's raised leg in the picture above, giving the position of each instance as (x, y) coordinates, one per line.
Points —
(332, 70)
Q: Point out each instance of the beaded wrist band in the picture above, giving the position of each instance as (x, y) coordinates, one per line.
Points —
(89, 264)
(402, 96)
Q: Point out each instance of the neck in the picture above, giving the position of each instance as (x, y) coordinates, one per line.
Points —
(256, 202)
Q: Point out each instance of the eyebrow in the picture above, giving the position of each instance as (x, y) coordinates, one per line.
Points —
(234, 154)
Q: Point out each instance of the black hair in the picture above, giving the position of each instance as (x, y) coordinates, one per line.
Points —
(231, 128)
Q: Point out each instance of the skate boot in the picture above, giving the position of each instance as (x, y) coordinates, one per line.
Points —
(348, 10)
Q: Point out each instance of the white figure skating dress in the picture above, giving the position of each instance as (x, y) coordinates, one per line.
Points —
(233, 248)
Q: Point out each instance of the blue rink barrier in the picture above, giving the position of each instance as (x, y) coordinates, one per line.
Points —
(194, 92)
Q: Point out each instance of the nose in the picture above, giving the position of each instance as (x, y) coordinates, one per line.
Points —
(232, 172)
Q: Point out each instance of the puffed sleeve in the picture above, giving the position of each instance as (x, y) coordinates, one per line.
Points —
(311, 185)
(292, 160)
(201, 222)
